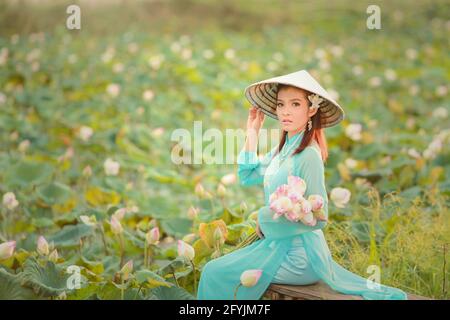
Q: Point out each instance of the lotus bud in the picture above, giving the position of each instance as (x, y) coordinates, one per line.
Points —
(185, 250)
(87, 171)
(193, 213)
(199, 190)
(24, 145)
(116, 227)
(53, 256)
(250, 278)
(10, 201)
(127, 269)
(111, 167)
(85, 133)
(152, 236)
(218, 235)
(7, 250)
(228, 179)
(90, 221)
(120, 213)
(221, 190)
(42, 246)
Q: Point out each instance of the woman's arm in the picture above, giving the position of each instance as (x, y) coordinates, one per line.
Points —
(251, 169)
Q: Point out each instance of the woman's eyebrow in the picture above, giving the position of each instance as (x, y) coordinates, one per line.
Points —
(290, 100)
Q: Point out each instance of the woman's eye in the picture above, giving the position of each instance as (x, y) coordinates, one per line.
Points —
(279, 105)
(296, 104)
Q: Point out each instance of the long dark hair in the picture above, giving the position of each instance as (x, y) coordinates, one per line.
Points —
(315, 134)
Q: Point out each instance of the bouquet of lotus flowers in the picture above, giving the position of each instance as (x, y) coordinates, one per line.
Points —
(288, 200)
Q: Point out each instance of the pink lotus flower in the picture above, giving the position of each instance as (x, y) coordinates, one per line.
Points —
(297, 184)
(340, 196)
(294, 196)
(273, 197)
(316, 201)
(282, 190)
(282, 205)
(294, 215)
(306, 206)
(288, 200)
(10, 201)
(7, 250)
(309, 219)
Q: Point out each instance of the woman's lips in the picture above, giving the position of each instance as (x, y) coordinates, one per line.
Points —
(286, 121)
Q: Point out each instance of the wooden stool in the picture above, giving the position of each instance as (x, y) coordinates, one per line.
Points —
(317, 291)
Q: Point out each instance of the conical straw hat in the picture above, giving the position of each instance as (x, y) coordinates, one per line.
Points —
(263, 95)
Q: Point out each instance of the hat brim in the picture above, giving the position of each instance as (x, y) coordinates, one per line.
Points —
(263, 95)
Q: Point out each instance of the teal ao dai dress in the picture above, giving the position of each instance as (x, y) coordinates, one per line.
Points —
(290, 252)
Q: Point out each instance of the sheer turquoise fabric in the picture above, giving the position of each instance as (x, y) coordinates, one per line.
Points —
(221, 276)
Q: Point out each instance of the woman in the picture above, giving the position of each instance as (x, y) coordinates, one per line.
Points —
(287, 252)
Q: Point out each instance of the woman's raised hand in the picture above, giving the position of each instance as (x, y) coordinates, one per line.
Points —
(255, 119)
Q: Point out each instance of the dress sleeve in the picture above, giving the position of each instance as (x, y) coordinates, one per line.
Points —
(251, 169)
(310, 168)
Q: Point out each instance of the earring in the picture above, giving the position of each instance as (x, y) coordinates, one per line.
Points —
(309, 124)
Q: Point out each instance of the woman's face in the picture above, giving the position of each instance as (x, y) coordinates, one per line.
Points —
(293, 109)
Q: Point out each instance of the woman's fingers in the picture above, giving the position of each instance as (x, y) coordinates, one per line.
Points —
(255, 118)
(261, 116)
(252, 113)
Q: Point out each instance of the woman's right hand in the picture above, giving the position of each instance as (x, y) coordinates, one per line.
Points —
(255, 119)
